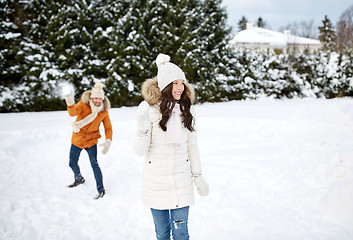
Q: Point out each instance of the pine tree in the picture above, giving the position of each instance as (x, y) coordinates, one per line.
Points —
(327, 35)
(260, 22)
(208, 56)
(126, 65)
(343, 84)
(12, 32)
(242, 23)
(19, 56)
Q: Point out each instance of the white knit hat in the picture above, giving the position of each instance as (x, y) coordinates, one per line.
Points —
(97, 91)
(167, 71)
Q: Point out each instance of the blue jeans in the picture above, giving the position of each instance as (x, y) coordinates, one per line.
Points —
(173, 219)
(92, 153)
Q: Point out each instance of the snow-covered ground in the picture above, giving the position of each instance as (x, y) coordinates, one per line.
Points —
(277, 169)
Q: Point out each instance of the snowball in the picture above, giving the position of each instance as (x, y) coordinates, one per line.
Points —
(67, 89)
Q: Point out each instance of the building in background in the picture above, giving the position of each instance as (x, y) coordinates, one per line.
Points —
(266, 40)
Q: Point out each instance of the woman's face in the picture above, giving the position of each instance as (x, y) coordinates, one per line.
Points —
(178, 89)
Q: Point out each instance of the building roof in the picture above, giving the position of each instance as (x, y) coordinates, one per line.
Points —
(262, 36)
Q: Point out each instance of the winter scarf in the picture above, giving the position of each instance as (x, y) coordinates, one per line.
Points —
(76, 126)
(174, 126)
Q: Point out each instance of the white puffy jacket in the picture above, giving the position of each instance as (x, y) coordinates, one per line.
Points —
(168, 169)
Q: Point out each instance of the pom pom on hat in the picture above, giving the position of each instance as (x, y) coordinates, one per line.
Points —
(98, 85)
(161, 59)
(97, 91)
(167, 71)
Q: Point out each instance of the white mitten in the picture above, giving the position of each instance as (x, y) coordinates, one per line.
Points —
(68, 94)
(106, 146)
(201, 185)
(143, 118)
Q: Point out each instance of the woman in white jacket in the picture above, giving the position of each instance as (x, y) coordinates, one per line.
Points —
(166, 136)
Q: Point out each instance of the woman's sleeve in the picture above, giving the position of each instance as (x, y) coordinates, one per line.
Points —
(142, 142)
(193, 150)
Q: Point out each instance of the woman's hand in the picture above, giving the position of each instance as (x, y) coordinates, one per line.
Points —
(201, 185)
(143, 118)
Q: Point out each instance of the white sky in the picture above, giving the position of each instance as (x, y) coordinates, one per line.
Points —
(280, 13)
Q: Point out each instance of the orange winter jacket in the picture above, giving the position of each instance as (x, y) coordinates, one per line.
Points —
(89, 134)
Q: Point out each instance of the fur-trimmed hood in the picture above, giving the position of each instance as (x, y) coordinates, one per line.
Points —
(151, 93)
(86, 96)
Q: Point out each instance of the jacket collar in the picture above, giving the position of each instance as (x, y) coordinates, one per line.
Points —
(153, 95)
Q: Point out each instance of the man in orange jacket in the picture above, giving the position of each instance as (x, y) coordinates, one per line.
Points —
(90, 111)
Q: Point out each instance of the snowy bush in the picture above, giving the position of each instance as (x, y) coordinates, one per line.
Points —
(326, 74)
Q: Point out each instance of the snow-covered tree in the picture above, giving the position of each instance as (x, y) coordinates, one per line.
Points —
(205, 50)
(12, 32)
(327, 35)
(343, 83)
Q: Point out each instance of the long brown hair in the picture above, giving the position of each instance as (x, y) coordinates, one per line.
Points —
(168, 103)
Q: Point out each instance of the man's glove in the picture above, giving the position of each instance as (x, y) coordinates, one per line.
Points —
(143, 118)
(106, 146)
(201, 185)
(68, 94)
